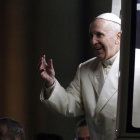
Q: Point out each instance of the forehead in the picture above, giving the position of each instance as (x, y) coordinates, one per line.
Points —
(100, 25)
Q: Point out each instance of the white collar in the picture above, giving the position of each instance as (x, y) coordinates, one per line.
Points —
(110, 61)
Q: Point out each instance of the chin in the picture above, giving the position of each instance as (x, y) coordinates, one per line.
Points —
(101, 58)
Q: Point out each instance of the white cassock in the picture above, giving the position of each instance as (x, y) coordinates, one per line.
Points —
(92, 93)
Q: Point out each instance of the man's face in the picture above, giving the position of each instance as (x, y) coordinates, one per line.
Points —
(83, 133)
(105, 40)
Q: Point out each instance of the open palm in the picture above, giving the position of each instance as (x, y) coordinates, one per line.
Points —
(47, 72)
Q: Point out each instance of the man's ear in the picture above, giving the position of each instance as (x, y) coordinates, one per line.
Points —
(118, 35)
(117, 42)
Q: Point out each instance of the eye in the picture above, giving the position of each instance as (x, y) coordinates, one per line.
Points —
(99, 34)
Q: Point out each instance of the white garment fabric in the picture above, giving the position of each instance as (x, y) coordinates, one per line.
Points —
(89, 95)
(107, 65)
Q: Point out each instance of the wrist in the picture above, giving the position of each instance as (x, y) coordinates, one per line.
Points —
(49, 84)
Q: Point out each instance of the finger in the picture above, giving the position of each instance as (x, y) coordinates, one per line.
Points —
(39, 64)
(50, 63)
(44, 60)
(42, 64)
(41, 70)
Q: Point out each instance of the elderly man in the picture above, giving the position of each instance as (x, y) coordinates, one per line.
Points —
(93, 92)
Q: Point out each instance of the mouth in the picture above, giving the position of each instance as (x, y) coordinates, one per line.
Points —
(98, 47)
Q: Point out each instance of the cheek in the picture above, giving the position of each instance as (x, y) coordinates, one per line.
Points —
(110, 43)
(108, 49)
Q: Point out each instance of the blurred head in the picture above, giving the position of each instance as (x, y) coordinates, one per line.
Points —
(105, 32)
(82, 132)
(10, 129)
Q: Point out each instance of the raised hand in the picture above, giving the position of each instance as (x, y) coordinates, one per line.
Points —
(47, 72)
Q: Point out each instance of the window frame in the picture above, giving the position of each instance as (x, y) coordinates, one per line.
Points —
(124, 128)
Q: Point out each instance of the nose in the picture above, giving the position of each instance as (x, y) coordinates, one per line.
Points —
(94, 40)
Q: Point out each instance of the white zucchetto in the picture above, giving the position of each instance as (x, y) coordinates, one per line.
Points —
(110, 16)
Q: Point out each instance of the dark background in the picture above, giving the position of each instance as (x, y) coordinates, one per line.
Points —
(28, 29)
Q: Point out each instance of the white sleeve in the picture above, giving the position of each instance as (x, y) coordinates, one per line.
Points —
(65, 101)
(46, 92)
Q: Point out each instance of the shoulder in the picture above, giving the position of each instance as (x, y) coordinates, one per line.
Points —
(93, 62)
(89, 62)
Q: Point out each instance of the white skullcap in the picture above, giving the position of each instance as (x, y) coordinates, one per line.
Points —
(110, 16)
